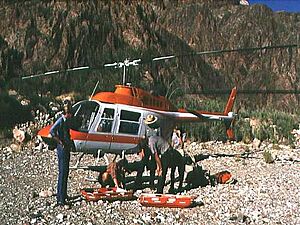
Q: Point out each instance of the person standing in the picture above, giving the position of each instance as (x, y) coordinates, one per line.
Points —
(178, 138)
(148, 160)
(60, 131)
(161, 152)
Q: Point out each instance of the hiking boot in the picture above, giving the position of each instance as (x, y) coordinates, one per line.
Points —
(63, 205)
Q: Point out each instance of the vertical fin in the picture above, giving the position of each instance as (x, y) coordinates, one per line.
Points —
(230, 101)
(228, 108)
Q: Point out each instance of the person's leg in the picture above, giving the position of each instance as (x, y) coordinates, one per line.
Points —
(60, 158)
(152, 167)
(162, 178)
(149, 163)
(181, 169)
(66, 160)
(171, 190)
(177, 162)
(140, 167)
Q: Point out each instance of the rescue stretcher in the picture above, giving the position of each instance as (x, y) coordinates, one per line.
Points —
(107, 194)
(166, 200)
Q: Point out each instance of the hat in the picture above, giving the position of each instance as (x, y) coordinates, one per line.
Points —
(150, 119)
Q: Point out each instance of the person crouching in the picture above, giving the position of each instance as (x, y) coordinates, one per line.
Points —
(114, 175)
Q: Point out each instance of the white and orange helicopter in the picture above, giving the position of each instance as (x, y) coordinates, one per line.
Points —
(113, 122)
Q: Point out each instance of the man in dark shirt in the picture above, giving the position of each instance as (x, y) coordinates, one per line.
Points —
(60, 131)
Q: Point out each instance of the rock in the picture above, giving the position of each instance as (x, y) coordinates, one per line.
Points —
(34, 194)
(19, 135)
(268, 157)
(256, 143)
(16, 147)
(45, 194)
(60, 217)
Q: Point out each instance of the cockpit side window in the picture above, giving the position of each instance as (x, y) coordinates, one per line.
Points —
(106, 121)
(129, 122)
(84, 115)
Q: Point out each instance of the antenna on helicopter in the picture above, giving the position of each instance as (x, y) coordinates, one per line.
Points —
(94, 90)
(124, 64)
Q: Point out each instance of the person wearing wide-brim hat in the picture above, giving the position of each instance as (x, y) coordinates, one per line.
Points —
(152, 121)
(152, 129)
(155, 149)
(153, 126)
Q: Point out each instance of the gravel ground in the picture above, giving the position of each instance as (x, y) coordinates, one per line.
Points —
(265, 193)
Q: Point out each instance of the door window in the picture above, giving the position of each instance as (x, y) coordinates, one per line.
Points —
(129, 122)
(84, 115)
(106, 121)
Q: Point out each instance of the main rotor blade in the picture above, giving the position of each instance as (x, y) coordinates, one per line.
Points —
(220, 51)
(137, 62)
(245, 49)
(56, 72)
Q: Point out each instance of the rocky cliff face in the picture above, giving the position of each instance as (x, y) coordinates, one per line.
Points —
(50, 35)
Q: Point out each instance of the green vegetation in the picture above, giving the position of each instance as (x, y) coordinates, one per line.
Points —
(268, 157)
(12, 112)
(266, 125)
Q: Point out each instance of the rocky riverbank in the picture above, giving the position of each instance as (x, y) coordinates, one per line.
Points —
(265, 193)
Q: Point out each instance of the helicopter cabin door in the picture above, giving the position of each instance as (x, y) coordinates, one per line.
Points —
(93, 126)
(127, 130)
(101, 133)
(85, 114)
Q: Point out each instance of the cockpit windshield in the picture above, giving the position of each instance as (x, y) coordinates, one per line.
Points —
(84, 114)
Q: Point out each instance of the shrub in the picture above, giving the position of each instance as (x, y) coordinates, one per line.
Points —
(274, 126)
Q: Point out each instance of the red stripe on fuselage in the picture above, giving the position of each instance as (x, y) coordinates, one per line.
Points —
(77, 135)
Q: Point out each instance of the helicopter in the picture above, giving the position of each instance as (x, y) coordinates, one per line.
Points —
(113, 122)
